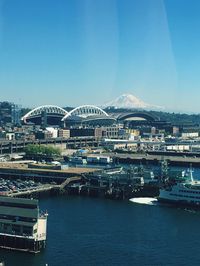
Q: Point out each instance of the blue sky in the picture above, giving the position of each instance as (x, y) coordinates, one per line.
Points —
(73, 52)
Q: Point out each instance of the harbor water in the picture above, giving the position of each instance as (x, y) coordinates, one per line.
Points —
(94, 231)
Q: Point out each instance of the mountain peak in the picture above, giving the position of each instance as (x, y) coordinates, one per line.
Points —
(128, 100)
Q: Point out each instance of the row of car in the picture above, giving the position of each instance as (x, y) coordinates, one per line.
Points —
(12, 186)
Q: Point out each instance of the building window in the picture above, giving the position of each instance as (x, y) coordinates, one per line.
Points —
(27, 230)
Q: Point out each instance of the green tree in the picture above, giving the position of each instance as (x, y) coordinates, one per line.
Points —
(36, 151)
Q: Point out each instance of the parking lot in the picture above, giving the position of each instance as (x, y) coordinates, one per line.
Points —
(8, 186)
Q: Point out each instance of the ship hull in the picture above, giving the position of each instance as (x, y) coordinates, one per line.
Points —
(174, 202)
(21, 243)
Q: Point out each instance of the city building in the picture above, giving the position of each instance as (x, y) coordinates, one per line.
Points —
(10, 113)
(53, 131)
(186, 135)
(98, 132)
(64, 133)
(43, 134)
(10, 136)
(175, 131)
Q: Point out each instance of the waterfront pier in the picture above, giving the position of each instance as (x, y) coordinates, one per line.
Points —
(43, 180)
(178, 159)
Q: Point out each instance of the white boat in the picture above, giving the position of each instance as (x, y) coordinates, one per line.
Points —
(185, 192)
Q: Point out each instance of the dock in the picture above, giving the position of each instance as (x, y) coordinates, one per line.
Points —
(23, 170)
(49, 180)
(145, 158)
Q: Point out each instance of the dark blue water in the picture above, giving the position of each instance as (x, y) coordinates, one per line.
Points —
(90, 231)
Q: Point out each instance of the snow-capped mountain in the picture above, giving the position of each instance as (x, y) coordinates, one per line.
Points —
(130, 101)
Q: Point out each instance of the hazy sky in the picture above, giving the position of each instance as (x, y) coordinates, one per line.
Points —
(72, 52)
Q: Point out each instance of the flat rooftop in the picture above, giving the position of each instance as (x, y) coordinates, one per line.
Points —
(23, 166)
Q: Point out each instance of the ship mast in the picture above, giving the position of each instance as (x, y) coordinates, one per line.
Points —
(191, 173)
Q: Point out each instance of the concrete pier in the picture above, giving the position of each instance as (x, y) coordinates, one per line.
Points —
(136, 158)
(52, 181)
(40, 174)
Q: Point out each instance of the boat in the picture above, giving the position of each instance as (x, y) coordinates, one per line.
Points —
(185, 191)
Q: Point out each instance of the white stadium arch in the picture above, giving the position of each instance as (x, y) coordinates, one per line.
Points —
(49, 109)
(85, 111)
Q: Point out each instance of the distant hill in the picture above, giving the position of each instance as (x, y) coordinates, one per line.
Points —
(179, 118)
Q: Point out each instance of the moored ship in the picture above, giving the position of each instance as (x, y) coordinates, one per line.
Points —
(185, 191)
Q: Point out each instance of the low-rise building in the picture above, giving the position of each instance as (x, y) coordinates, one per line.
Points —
(43, 134)
(186, 135)
(53, 131)
(64, 133)
(10, 136)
